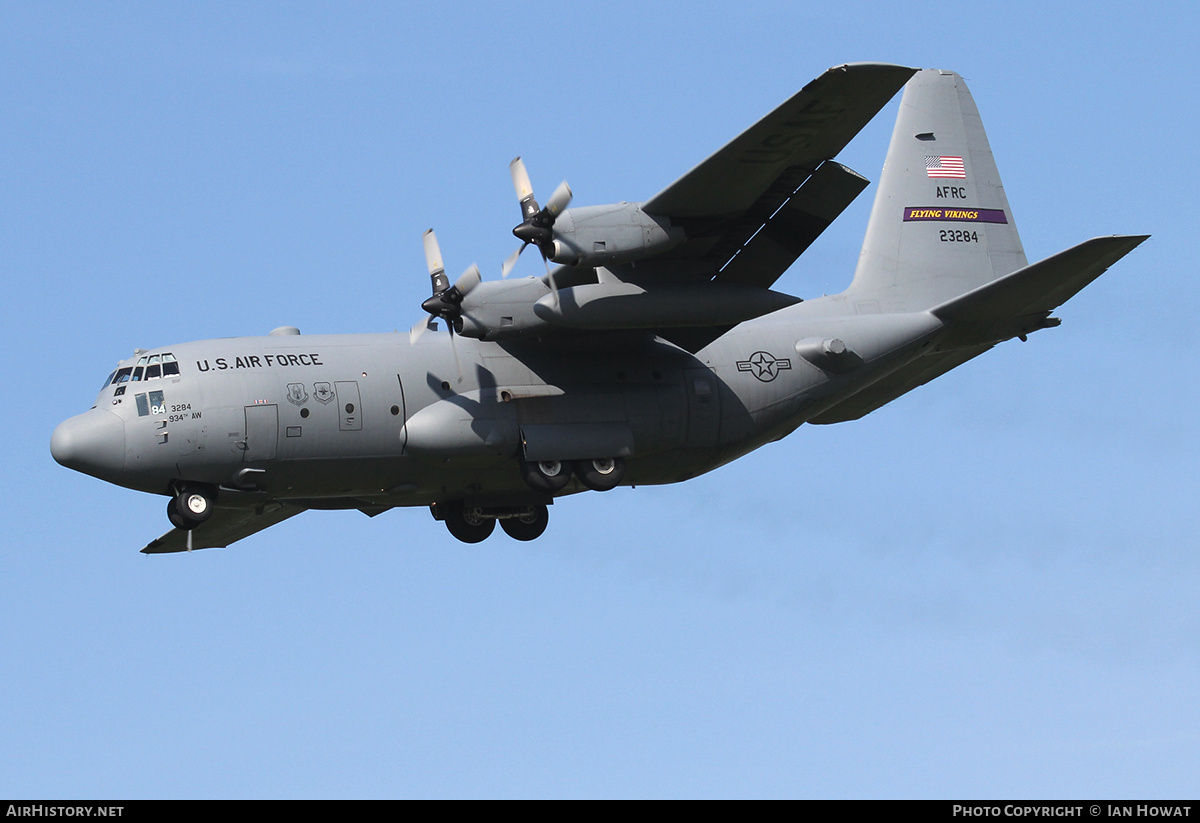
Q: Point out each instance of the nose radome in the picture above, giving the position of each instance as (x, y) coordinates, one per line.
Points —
(92, 443)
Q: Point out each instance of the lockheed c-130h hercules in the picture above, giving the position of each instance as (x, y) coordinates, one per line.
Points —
(653, 350)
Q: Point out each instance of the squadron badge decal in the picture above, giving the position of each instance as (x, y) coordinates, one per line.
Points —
(323, 392)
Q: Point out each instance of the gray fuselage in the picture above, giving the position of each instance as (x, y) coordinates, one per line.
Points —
(373, 420)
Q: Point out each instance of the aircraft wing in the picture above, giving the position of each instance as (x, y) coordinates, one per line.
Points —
(226, 526)
(768, 193)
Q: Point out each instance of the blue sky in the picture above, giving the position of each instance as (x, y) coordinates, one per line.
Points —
(987, 588)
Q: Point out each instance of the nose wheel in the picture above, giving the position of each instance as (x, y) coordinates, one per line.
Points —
(190, 507)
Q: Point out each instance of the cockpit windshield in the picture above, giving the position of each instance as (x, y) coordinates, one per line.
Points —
(149, 367)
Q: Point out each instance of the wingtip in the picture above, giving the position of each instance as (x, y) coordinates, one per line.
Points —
(869, 66)
(155, 546)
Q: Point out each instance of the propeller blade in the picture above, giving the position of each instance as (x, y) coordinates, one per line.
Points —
(454, 351)
(468, 280)
(520, 178)
(511, 260)
(524, 189)
(550, 280)
(433, 260)
(558, 201)
(414, 334)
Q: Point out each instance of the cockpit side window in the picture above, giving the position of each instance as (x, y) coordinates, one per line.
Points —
(123, 375)
(169, 365)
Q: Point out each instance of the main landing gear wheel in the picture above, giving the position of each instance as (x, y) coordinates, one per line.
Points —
(468, 524)
(190, 507)
(547, 475)
(601, 474)
(527, 526)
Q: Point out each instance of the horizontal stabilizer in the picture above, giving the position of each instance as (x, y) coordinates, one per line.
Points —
(226, 526)
(1033, 291)
(1014, 305)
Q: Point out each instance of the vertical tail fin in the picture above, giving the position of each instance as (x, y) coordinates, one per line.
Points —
(941, 224)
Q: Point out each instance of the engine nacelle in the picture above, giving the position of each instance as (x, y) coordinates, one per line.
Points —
(611, 235)
(499, 309)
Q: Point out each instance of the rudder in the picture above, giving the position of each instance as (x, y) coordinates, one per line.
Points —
(941, 224)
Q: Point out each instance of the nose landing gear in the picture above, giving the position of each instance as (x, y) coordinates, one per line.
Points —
(191, 506)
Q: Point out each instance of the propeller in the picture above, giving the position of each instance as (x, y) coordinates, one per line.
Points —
(537, 224)
(446, 301)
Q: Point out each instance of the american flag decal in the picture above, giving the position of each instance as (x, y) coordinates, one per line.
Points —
(944, 166)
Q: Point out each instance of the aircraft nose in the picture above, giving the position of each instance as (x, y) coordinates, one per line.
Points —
(92, 443)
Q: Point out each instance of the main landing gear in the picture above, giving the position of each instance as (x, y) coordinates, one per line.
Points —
(474, 524)
(599, 474)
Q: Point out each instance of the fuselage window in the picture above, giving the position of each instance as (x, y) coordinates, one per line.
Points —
(153, 405)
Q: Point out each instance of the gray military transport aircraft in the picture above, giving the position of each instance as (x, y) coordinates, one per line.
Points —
(655, 350)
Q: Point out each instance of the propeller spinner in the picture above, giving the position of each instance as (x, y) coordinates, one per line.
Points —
(446, 301)
(537, 224)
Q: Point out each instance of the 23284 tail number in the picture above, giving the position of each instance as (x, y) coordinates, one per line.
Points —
(958, 236)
